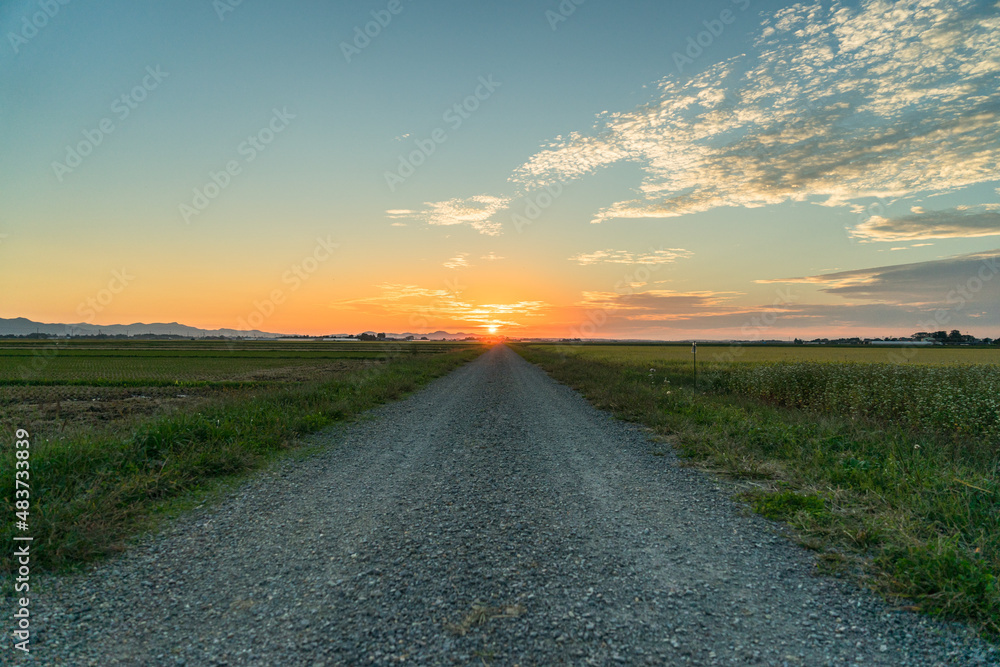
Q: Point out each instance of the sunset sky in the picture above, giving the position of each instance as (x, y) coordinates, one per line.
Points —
(721, 169)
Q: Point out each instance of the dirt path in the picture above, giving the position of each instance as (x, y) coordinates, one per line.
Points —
(492, 518)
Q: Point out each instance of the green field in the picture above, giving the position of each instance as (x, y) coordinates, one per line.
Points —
(55, 386)
(891, 471)
(120, 430)
(712, 354)
(952, 389)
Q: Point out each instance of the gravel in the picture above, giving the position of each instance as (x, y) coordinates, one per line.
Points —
(492, 518)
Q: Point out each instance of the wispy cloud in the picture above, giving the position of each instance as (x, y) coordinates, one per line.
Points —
(838, 103)
(476, 211)
(444, 307)
(960, 222)
(492, 257)
(662, 305)
(663, 256)
(459, 261)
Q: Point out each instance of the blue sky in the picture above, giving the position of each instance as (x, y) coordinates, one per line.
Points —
(796, 157)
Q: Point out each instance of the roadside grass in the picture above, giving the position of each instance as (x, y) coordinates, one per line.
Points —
(912, 513)
(92, 490)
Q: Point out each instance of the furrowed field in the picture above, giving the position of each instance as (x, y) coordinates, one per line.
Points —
(120, 429)
(884, 460)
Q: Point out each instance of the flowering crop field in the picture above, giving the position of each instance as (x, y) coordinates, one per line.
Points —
(954, 389)
(963, 399)
(712, 354)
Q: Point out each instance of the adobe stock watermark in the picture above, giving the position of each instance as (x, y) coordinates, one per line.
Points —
(535, 205)
(439, 306)
(248, 150)
(363, 35)
(698, 43)
(455, 116)
(88, 309)
(597, 318)
(31, 25)
(92, 305)
(294, 277)
(956, 300)
(223, 7)
(758, 325)
(122, 107)
(565, 9)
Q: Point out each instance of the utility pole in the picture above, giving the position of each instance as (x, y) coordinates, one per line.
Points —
(694, 356)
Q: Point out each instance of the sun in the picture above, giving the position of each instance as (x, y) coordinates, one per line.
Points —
(493, 328)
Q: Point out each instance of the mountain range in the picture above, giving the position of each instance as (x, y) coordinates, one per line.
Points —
(20, 326)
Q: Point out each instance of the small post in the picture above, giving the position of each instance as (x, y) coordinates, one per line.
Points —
(694, 356)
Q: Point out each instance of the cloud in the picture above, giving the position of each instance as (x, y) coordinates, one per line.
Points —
(838, 103)
(961, 222)
(476, 211)
(661, 304)
(937, 284)
(492, 257)
(662, 256)
(459, 261)
(435, 308)
(953, 293)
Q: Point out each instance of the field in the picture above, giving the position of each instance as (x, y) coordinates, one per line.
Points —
(55, 386)
(120, 429)
(951, 389)
(710, 355)
(888, 469)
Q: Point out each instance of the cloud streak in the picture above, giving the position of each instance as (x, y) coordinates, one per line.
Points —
(435, 308)
(961, 222)
(934, 284)
(663, 256)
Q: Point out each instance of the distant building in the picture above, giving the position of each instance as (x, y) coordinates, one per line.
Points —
(905, 343)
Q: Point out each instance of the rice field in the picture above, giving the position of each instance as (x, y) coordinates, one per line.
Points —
(58, 386)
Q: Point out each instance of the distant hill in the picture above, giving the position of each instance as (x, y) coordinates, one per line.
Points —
(20, 326)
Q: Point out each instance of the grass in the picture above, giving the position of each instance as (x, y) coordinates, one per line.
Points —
(93, 488)
(912, 509)
(963, 399)
(711, 354)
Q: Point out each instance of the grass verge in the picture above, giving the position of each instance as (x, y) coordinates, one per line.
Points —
(90, 492)
(913, 514)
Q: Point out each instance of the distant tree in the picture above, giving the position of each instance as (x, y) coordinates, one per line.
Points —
(940, 335)
(955, 336)
(798, 341)
(381, 336)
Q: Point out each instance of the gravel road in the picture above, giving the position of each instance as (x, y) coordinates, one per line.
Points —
(492, 518)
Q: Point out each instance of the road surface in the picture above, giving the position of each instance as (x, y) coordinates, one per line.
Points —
(492, 518)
